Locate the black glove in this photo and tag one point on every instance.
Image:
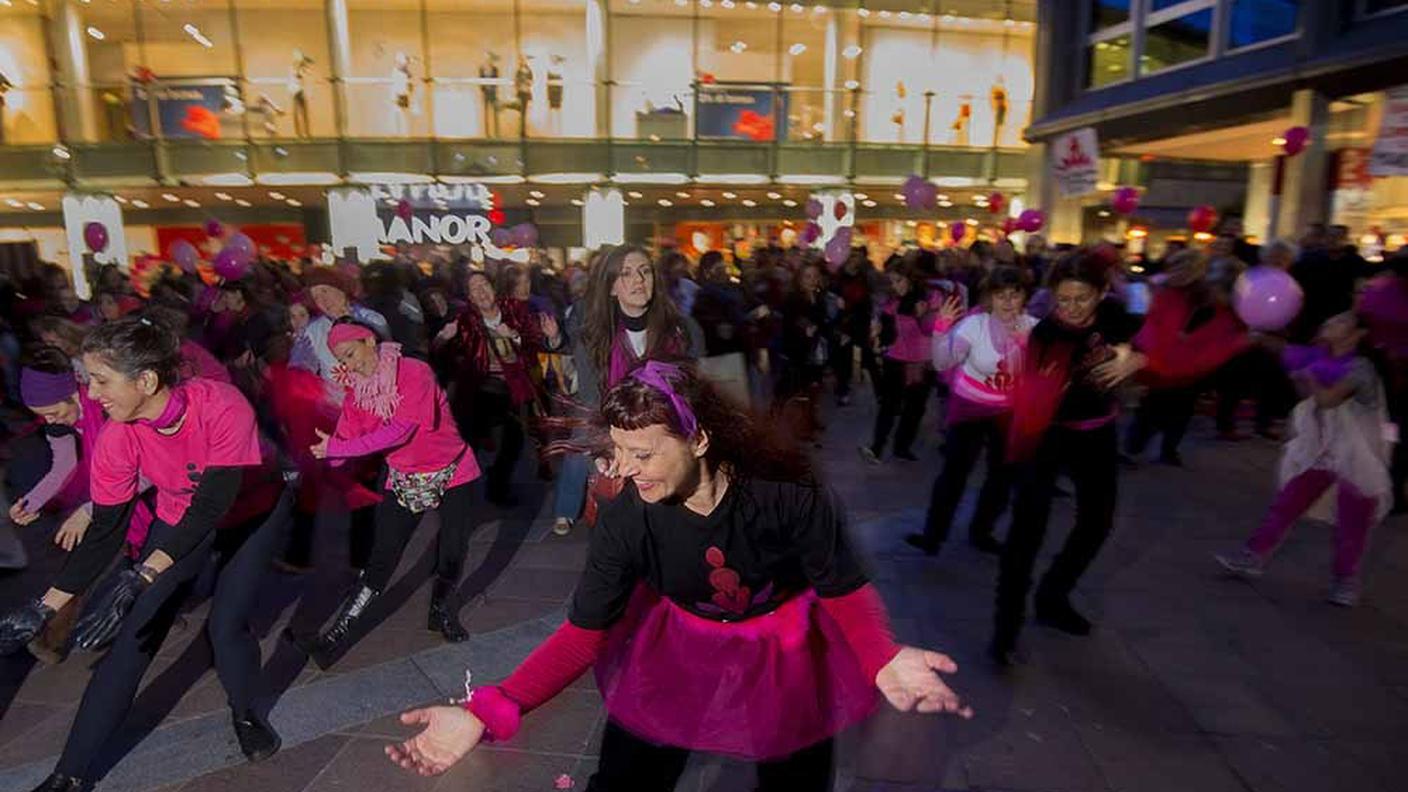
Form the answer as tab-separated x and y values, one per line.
105	612
19	626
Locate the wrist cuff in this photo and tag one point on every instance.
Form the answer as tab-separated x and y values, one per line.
499	714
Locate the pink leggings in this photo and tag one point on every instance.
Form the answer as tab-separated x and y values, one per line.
1354	518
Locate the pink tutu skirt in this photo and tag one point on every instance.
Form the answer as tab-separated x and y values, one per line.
758	689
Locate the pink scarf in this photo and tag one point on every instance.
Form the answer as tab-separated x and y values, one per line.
624	359
376	394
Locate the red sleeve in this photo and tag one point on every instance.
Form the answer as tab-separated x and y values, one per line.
862	619
554	665
113	471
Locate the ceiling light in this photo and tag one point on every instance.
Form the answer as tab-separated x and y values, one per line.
577	202
945	204
750	203
15	203
864	12
276	195
665	202
773	196
706	203
170	197
899	196
1278	141
681	194
38	207
727	4
192	203
62	152
752	6
789	203
140	204
861	196
635	194
119	199
851	85
730	195
200	38
1009	22
904	15
884	14
818	9
681	3
533	202
851	52
738	47
535	194
797	49
96	34
706	3
294	202
242	202
922	17
970	221
797	8
869	204
223	196
775	7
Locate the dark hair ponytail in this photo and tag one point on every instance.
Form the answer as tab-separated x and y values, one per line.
132	345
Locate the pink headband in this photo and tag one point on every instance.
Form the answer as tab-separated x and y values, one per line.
657	375
41	388
347	331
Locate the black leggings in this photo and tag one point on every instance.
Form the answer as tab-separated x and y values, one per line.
630	764
962	444
114	683
493	408
1165	412
899	400
1090	458
395	524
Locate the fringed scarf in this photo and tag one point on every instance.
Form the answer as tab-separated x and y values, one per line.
376	394
624	359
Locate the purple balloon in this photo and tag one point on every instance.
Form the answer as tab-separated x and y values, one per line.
813	208
96	235
501	237
213	228
525	235
837	250
242	245
185	255
1031	220
230	264
845	234
811	232
1266	298
919	193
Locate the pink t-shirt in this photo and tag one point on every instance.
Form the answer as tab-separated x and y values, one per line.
435	441
218	431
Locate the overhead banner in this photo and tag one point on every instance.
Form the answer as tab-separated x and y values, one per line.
1075	159
1390	154
741	112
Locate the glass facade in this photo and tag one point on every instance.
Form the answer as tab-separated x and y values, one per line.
1255	21
93	71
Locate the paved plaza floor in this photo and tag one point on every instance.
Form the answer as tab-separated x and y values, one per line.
1190	683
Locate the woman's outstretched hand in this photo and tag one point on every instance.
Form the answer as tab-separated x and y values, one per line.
449	734
911	682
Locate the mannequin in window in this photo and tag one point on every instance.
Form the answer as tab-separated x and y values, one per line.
489	93
523	88
555	91
960	122
897	118
5	86
298	92
999	109
402	86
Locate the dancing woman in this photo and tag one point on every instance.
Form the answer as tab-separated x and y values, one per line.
394	407
196	443
628	318
722	605
983	355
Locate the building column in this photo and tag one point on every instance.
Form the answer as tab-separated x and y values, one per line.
71	58
1259	211
1303	183
1065	218
831	75
340	53
598	65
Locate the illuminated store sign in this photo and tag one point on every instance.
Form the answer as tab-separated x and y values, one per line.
369	219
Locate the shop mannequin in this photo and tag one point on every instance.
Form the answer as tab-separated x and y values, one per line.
999	109
5	86
489	92
555	88
897	118
402	87
523	87
960	122
268	112
297	89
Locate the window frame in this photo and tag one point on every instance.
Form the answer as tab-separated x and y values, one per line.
1362	12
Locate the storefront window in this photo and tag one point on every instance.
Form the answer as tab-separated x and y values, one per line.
185	71
652	67
1107	62
810	40
26	101
385	88
557	68
473	49
287	64
900	75
1181	40
744	71
1255	21
107	103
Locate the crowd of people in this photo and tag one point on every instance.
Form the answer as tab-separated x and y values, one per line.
178	426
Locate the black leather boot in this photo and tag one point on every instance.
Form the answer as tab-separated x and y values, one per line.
323	648
257	738
62	783
444	615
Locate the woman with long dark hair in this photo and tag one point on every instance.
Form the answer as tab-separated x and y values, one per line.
723	607
1064	415
628	318
195	441
394	407
983	354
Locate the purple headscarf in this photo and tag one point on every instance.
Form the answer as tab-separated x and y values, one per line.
41	388
657	375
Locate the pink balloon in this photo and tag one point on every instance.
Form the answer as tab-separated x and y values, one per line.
837	250
213	228
230	264
1009	225
1296	139
403	210
811	232
957	231
524	235
813	208
184	255
501	237
1202	218
1126	200
1267	298
997	202
1031	220
96	236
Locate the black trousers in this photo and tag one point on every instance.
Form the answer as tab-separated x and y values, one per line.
630	764
900	401
494	409
395	524
1165	412
1089	458
843	361
1255	374
234	646
962	444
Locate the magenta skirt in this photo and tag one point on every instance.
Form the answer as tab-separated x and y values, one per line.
758	689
